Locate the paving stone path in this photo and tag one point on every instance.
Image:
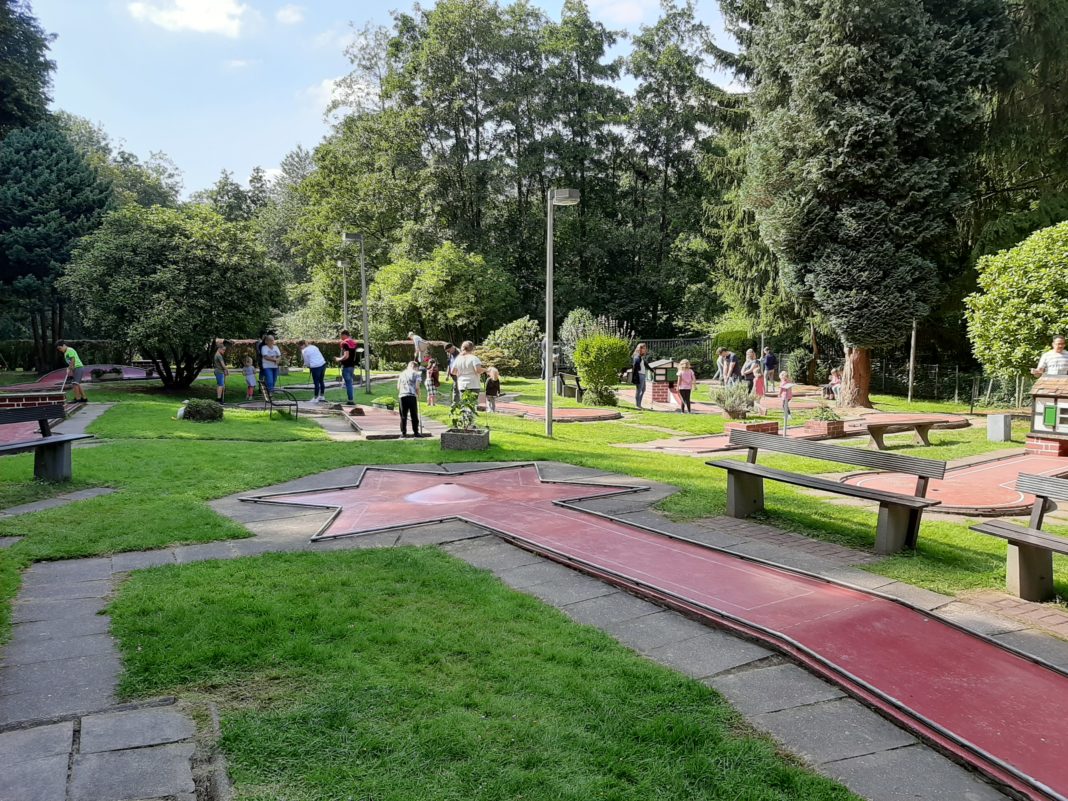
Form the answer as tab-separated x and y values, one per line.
63	737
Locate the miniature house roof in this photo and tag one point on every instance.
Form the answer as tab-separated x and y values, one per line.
1053	386
663	363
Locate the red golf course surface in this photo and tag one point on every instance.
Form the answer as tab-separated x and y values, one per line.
987	488
54	379
560	415
857	427
982	703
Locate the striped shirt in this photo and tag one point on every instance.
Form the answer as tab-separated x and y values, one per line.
1054	363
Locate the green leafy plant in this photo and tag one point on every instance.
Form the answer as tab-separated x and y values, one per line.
463	413
200	410
519	342
734	399
826	414
599	360
1021	301
496	357
796	364
385	403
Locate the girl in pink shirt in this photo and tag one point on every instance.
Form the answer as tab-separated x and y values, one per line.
686	381
758	388
786	394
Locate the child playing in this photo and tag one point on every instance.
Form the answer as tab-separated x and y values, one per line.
433	381
493	388
249	371
218	363
408	392
686	381
786	393
758	388
74	370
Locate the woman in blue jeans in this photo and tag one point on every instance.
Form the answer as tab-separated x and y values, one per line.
316	364
639	374
270	357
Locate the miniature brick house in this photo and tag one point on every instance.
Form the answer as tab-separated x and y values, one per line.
664	374
1049	417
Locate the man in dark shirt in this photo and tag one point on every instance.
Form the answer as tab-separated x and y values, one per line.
730	367
770	364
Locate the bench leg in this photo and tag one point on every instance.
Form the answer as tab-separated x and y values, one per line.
52	462
1029	572
877	438
921	435
892	535
745	494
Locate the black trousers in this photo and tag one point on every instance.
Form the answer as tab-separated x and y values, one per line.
409	405
685	395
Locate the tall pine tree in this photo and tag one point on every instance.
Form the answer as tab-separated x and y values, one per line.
866	120
49	198
25	69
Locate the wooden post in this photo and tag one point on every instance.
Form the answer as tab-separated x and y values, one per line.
912	359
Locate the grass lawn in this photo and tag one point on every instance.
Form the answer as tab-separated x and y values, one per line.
156	420
165	483
405	674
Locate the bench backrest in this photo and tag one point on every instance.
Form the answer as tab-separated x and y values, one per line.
30	414
1043	486
893	462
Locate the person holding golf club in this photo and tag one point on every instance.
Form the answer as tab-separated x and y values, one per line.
74	370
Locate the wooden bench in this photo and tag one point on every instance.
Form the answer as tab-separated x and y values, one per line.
899	515
145	364
878	431
569	386
278	399
51	457
1029	559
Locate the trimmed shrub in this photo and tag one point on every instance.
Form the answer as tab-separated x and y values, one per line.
736	341
796	364
520	343
203	411
703	364
599	361
495	357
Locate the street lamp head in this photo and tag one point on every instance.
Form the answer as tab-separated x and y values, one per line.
565	197
347	238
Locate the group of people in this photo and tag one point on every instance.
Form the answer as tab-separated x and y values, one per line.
464	368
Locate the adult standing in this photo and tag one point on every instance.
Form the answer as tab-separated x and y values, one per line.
421	348
467	368
316	363
730	367
748	368
770	364
270	359
408	392
1053	361
639	373
218	364
452	353
74	370
347	361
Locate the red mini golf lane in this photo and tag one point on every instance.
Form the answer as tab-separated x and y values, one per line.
982	488
999	711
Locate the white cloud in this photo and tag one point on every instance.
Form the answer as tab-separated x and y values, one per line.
224	17
240	63
290	15
273	174
625	13
321	94
337	39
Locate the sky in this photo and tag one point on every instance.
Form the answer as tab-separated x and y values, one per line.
230	84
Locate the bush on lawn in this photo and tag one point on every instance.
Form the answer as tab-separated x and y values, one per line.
520	342
599	360
495	357
203	411
735	399
796	364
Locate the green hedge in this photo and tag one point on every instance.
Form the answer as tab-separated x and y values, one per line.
18	353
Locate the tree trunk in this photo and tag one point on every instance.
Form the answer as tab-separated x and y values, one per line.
813	365
856	378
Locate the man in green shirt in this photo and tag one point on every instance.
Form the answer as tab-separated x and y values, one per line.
218	364
74	370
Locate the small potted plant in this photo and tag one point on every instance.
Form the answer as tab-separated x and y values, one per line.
735	400
825	422
465	433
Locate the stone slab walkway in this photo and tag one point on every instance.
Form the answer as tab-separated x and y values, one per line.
60	669
57	500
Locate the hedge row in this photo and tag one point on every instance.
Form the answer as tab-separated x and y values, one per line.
19	354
